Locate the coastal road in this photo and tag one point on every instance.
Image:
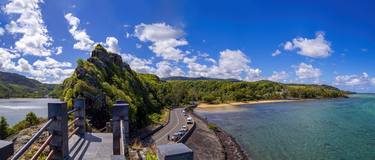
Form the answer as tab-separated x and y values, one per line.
176	121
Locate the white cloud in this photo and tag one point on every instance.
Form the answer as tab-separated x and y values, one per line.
51	63
316	48
307	71
59	50
276	52
84	42
35	39
355	80
23	65
288	46
165	39
278	76
6	57
232	64
2	31
166	69
51	70
112	45
138	64
137	45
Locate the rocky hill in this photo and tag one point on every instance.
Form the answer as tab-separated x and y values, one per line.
104	78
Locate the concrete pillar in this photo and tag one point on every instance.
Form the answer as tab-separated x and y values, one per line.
6	149
116	135
79	104
120	112
59	129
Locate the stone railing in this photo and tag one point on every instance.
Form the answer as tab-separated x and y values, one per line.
120	129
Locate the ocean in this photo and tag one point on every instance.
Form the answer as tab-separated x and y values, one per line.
330	129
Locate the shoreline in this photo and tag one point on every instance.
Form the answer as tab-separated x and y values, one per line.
237	104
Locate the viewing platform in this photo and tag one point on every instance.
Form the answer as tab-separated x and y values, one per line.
68	140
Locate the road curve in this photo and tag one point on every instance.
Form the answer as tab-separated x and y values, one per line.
176	121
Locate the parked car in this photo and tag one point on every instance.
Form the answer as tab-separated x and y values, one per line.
180	133
189	120
184	128
175	137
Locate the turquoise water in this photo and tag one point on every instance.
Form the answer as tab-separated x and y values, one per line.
342	129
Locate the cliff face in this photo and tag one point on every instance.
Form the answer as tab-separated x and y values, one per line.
104	78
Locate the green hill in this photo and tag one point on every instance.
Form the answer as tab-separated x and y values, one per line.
13	85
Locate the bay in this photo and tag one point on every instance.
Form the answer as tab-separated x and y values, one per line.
318	129
15	109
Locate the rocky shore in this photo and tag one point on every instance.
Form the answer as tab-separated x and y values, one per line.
227	148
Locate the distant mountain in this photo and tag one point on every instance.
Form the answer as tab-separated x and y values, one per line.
196	78
13	85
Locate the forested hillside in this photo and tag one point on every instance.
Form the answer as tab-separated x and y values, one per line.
15	85
219	91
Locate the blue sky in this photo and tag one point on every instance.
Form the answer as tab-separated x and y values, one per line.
323	42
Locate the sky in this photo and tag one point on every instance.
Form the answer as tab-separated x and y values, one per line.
318	42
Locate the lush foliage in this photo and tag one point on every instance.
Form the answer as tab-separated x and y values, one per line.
4	128
219	91
14	85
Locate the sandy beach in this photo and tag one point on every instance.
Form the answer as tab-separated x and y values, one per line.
237	104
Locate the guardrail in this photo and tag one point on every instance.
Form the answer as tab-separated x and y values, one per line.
58	128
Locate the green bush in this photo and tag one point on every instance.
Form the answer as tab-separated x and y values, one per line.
4	128
212	127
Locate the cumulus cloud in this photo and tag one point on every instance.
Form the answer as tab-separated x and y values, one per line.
84	42
231	64
165	39
59	50
138	64
23	65
276	52
29	23
355	80
51	70
6	57
279	76
112	45
307	71
318	47
166	69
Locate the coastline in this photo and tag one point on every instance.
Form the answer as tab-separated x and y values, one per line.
236	104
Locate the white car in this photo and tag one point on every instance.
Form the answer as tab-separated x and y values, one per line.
189	120
184	128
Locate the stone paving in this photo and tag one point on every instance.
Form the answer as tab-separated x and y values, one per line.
93	146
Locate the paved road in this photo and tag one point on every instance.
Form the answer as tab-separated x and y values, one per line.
176	121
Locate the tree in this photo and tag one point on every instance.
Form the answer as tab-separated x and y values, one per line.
31	119
4	130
